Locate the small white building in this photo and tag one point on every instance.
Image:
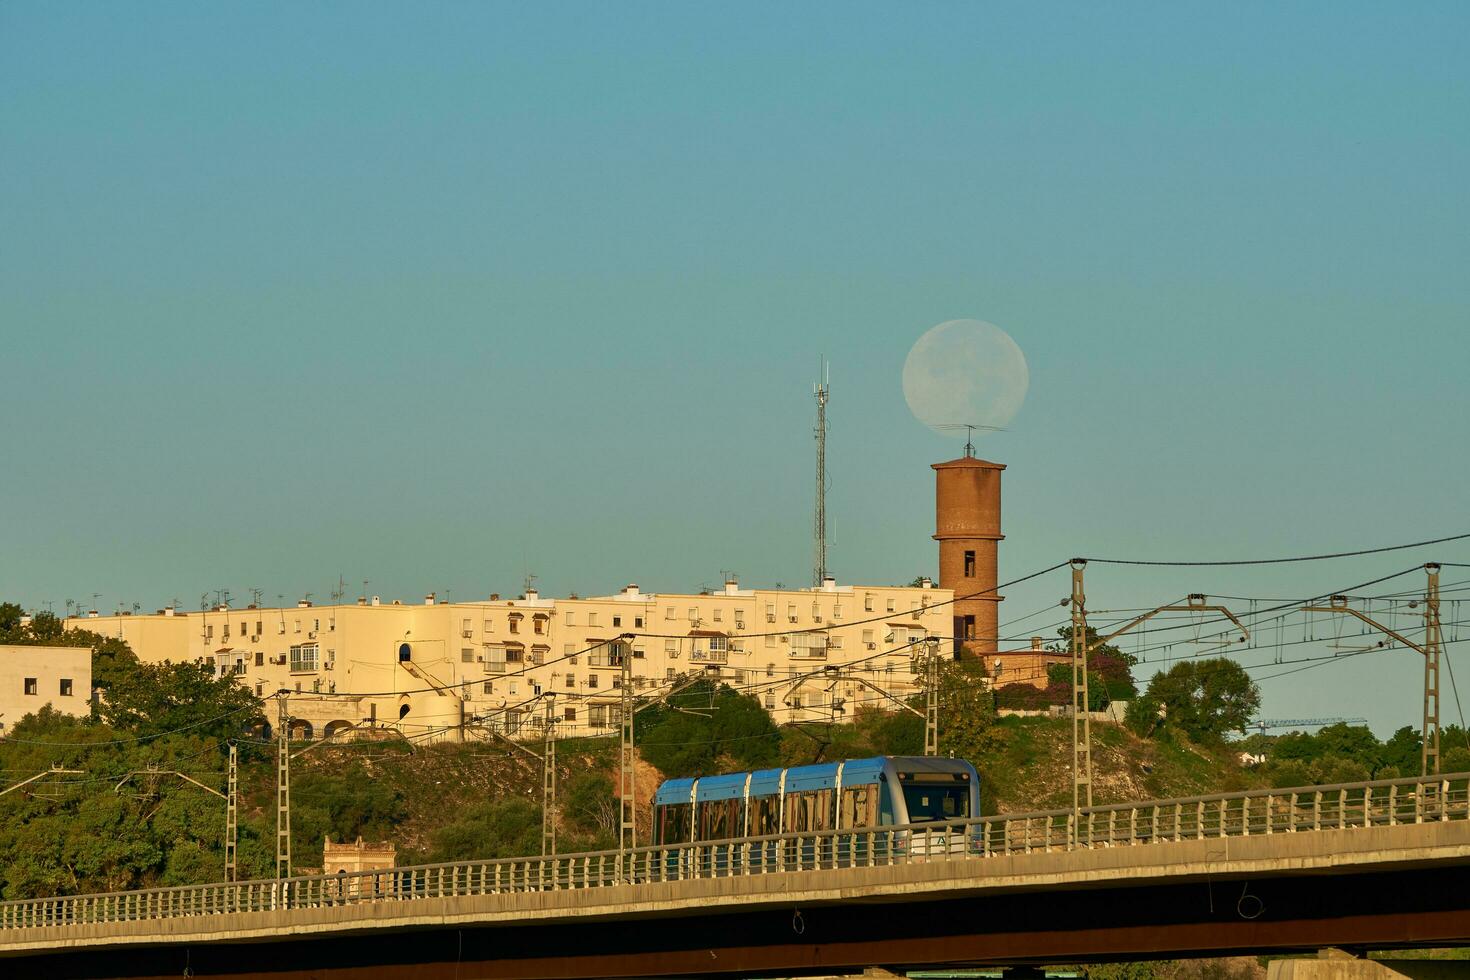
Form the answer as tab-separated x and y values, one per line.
32	677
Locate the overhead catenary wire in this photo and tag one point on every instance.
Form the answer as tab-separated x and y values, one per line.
1281	561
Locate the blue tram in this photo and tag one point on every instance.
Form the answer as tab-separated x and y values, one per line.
858	793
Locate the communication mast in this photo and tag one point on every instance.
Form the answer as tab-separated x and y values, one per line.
819	522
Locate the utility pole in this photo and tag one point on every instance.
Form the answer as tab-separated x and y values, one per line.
1081	720
283	792
1429	650
819	522
1081	723
931	699
548	783
627	781
232	827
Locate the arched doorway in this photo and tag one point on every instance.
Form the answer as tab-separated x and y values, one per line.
301	730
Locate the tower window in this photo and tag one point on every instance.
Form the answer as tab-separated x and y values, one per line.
969	564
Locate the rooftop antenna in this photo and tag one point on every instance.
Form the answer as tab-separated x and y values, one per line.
528	581
341	589
969	428
819	522
255	595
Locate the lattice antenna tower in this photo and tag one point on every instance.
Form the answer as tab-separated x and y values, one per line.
822	390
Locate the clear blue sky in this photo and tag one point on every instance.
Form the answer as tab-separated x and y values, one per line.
439	294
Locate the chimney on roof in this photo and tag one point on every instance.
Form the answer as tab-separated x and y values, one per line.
300	604
1036	644
732	586
829	584
429	599
377	600
630	589
91	614
532	595
926	582
167	610
495	597
362	600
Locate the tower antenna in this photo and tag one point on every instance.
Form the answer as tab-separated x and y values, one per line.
819	522
969	428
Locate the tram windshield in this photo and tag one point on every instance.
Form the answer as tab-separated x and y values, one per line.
937	802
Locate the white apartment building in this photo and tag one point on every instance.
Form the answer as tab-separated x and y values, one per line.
436	670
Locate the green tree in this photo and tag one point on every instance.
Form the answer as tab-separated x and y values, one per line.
688	735
1109	669
147	699
1203	699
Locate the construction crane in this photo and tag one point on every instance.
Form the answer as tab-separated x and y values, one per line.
1262	724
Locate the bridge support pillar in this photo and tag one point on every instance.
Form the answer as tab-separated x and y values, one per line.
1335	964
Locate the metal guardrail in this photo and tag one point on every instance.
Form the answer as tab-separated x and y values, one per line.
1383	803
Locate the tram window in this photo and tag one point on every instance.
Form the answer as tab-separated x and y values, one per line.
822	810
717	819
674	823
937	802
859	806
765	816
798	812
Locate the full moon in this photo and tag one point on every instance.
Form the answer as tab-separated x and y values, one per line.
965	372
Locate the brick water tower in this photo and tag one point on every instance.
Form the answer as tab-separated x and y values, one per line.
967	527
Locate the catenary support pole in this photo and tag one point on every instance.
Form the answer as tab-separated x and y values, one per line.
232	831
548	783
283	791
1081	724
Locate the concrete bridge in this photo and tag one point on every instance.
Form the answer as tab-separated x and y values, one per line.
1358	866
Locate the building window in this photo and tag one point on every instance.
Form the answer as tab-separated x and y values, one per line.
259	658
791	612
770	612
890	605
693	614
637	622
969	564
66	687
592	619
770	702
669	613
837	611
515	655
515	622
637	653
494	660
259	688
208	633
316	625
488	687
304	656
571	618
538	624
770	639
489	626
569	714
572	681
467	655
591	680
718	613
298	626
770	670
867	602
671	647
30	685
668	673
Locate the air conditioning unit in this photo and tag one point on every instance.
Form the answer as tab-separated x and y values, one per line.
872	646
791	618
770	617
327	665
739	624
467	634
